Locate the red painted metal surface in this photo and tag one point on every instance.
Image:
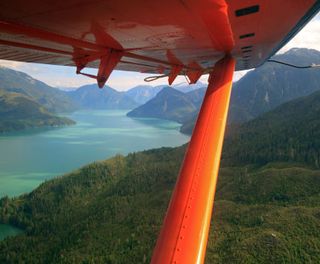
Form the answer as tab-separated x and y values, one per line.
184	234
107	64
193	31
175	71
195	73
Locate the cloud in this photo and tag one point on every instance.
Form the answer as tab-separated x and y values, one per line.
308	37
16	65
56	76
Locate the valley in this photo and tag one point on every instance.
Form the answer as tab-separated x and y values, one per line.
267	204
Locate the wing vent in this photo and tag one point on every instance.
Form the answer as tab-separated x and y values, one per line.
247	48
249	35
247	11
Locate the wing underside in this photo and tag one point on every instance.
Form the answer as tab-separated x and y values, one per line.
170	36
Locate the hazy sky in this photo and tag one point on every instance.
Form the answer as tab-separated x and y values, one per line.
61	76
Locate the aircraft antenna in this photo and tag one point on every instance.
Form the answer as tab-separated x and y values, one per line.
295	66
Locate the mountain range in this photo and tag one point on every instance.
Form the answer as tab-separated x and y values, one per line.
185	88
143	93
26	96
260	90
272	84
170	104
27	103
91	97
54	100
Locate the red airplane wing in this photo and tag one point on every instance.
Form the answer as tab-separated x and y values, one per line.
177	36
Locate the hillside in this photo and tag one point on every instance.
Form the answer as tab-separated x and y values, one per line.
168	104
91	97
143	93
196	96
19	112
291	132
189	124
51	98
271	85
111	212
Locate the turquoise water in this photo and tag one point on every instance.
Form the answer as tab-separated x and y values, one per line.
29	158
7	230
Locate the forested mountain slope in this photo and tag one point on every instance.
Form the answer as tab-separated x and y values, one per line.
266	211
18	112
271	85
111	212
291	132
168	104
54	100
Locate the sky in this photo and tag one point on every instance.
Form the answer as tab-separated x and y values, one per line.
65	77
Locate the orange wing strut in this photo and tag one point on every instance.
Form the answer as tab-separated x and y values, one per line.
184	234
